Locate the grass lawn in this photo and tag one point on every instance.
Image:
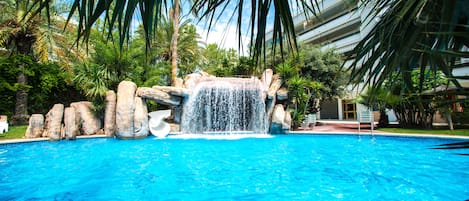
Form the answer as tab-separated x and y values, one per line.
437	131
14	132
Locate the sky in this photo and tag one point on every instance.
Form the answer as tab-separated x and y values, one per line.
222	32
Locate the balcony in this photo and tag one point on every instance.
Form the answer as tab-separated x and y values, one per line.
342	25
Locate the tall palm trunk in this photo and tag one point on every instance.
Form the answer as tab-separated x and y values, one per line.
174	42
24	44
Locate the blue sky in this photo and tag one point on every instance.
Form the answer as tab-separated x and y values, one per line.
222	32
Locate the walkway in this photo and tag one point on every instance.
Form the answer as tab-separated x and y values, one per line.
337	126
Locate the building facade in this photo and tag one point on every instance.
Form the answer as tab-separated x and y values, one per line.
342	24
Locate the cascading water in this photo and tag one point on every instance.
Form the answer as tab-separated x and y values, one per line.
226	106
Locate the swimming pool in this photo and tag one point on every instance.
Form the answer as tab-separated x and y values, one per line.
301	167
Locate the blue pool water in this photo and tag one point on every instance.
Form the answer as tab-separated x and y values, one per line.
293	167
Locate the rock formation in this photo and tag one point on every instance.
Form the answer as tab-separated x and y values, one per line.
282	94
126	114
70	124
36	126
266	78
125	109
278	120
89	121
53	123
274	87
159	96
141	128
110	114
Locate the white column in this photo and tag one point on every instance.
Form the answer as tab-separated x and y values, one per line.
340	110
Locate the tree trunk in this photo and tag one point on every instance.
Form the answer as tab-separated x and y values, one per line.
21	106
449	119
174	42
24	44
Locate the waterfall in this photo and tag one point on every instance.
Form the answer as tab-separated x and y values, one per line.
225	106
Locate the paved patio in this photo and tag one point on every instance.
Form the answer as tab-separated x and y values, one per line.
337	126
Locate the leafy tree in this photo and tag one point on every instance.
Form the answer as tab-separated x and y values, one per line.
414	108
379	98
150	12
428	35
19	31
27	30
94	80
311	76
245	66
47	84
160	50
220	62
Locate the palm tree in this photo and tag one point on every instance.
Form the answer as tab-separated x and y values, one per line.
120	13
430	34
19	31
174	41
161	48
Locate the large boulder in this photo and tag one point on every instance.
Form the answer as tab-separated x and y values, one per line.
110	114
53	123
35	127
274	87
177	114
179	83
287	121
89	121
125	109
159	96
282	94
141	128
71	123
266	78
176	91
191	80
269	108
278	117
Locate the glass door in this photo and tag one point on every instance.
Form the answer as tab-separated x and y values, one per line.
349	110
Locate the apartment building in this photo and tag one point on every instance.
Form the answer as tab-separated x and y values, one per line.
341	24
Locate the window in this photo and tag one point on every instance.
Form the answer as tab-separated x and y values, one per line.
349	110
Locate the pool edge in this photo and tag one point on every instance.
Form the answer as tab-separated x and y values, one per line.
14	141
27	140
381	134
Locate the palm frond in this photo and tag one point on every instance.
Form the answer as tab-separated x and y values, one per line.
409	34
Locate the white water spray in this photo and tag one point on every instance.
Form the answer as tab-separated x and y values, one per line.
226	106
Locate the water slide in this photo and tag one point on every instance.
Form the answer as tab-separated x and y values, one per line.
158	127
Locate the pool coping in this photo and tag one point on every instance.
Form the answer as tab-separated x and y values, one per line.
26	140
23	140
382	134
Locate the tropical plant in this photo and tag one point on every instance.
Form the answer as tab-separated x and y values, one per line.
26	28
428	35
175	14
120	14
392	94
311	76
160	49
94	80
218	61
379	98
47	84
